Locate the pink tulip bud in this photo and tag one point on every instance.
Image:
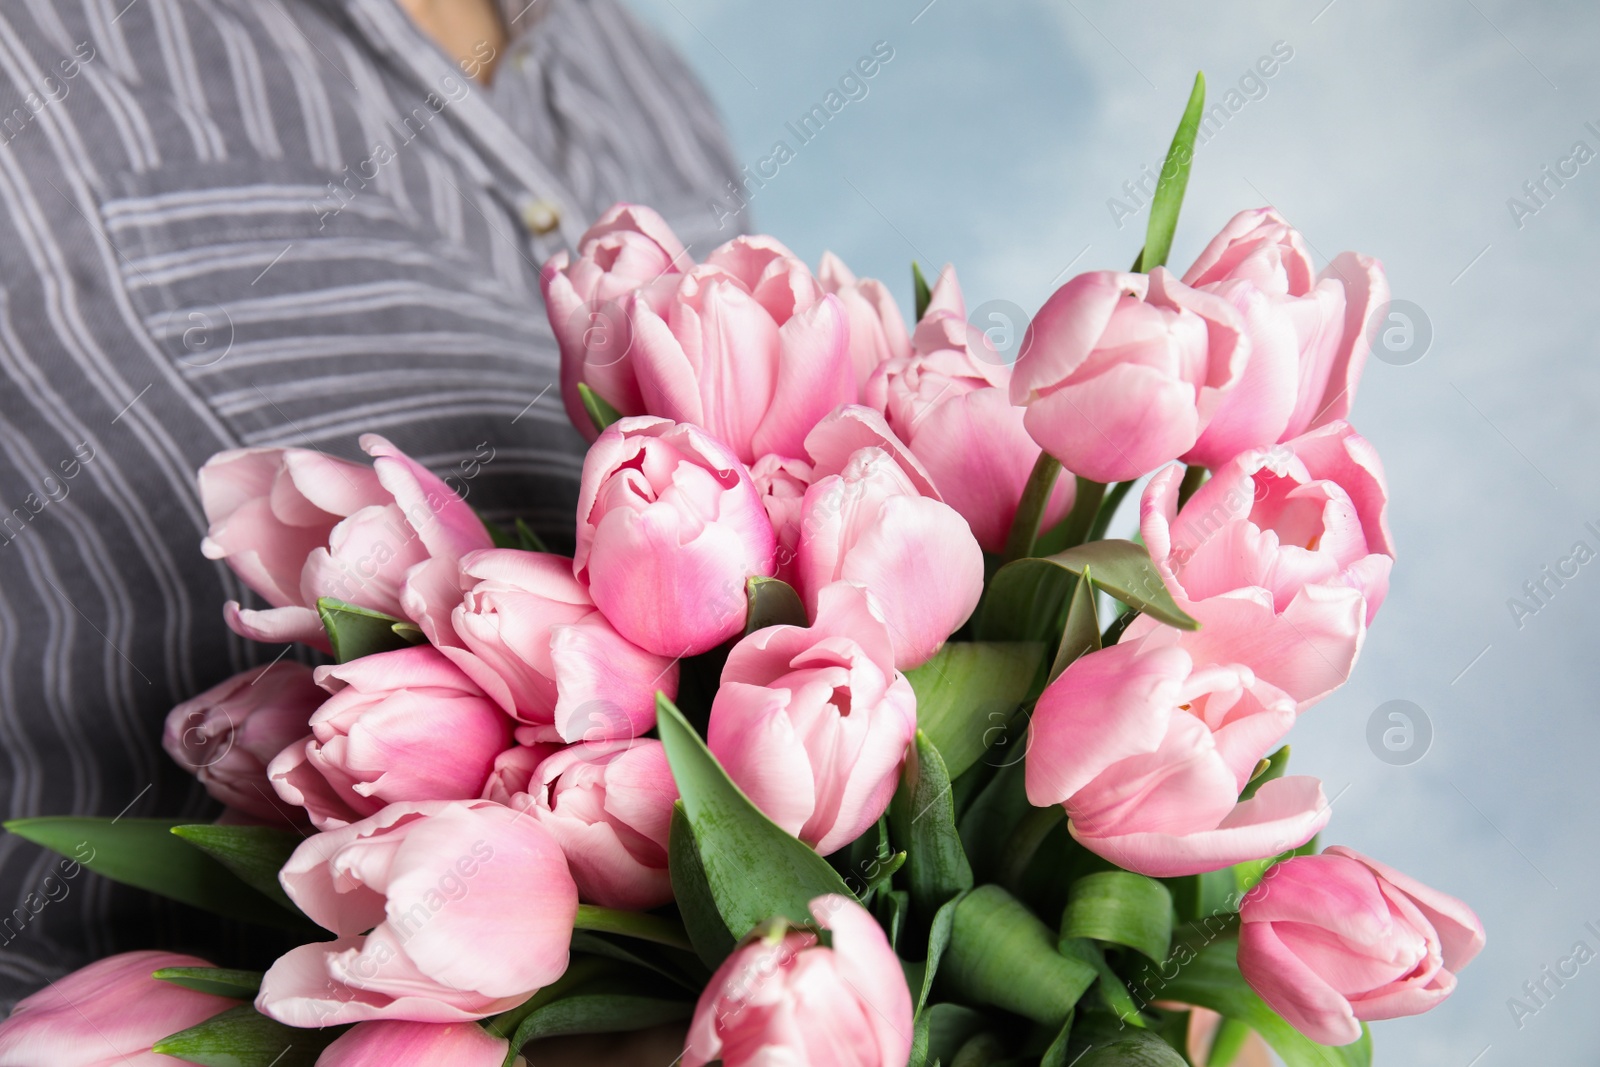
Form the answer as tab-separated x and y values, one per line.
524	629
877	331
749	347
1283	556
813	723
630	254
670	527
787	999
869	524
782	484
1148	749
444	911
227	735
1120	373
1308	332
400	726
949	400
1333	939
386	1043
609	805
297	526
108	1014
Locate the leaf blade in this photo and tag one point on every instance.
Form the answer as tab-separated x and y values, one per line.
754	869
1172	183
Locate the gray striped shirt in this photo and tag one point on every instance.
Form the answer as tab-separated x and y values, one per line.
265	222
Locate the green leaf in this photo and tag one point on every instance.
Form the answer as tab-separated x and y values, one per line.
356	631
1212	980
243	1037
986	827
527	540
1107	1046
773	602
1056	1054
601	413
1082	633
680	968
1173	181
710	935
1000	954
1123	908
1268	769
922	293
754	869
938	940
1121	569
143	853
1113	993
969	694
410	633
636	924
1031	508
255	854
949	1026
981	1051
600	1012
922	819
219	981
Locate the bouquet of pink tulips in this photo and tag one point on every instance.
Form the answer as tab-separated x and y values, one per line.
847	735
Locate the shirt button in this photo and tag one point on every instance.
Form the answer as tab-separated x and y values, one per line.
540	216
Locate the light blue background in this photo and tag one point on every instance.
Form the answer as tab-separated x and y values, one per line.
995	137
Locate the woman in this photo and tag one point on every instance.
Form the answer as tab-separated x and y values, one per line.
229	223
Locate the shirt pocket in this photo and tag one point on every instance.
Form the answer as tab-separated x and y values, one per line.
303	307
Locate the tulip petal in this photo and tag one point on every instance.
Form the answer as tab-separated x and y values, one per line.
1292	989
1284	814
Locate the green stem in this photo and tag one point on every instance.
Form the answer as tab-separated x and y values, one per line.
1193	478
635	924
1025	841
1108	510
1072	530
1030	509
1227	1043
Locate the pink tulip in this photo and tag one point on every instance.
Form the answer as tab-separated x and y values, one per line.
1332	939
1120	373
609	805
107	1014
870	524
524	629
227	735
670	527
749	348
813	723
444	911
629	255
789	1000
1308	332
949	400
1283	555
1148	749
877	332
782	484
296	526
400	726
389	1043
834	441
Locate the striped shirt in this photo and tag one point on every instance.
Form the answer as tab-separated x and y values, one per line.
265	222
